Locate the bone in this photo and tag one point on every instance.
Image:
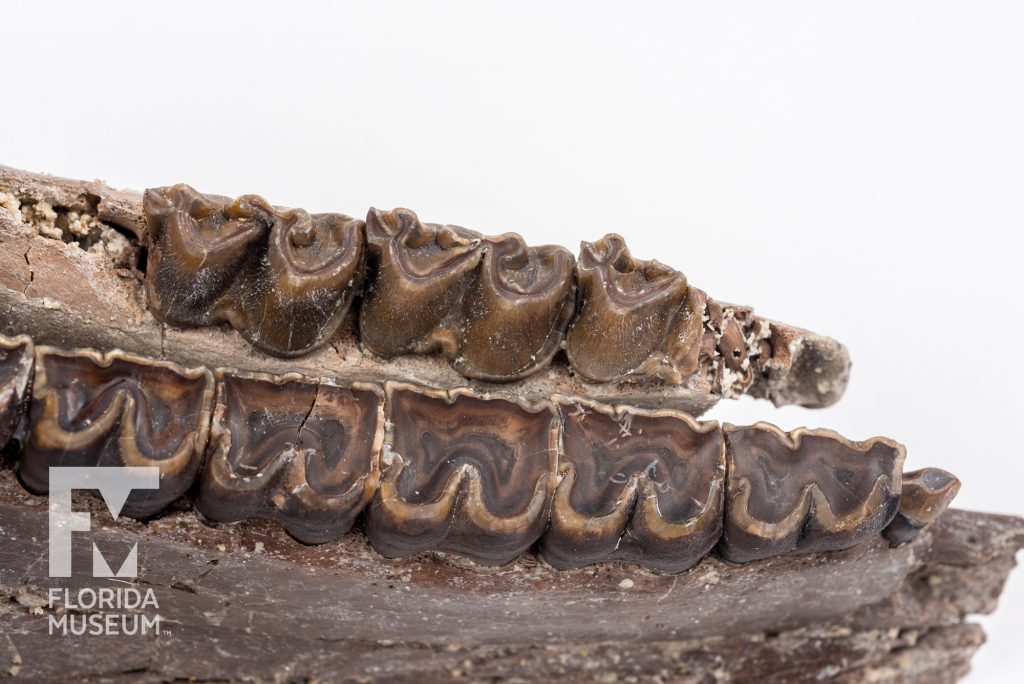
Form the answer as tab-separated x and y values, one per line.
466	466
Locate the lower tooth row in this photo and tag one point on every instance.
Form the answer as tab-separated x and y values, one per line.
486	476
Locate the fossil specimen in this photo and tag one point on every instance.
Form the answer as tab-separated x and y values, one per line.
302	452
808	490
496	309
468	473
926	493
440	390
116	409
636	485
636	317
485	463
283	278
464	473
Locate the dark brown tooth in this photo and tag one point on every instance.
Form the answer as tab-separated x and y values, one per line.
642	486
299	451
926	494
116	409
282	277
197	248
636	318
463	473
493	306
517	311
416	274
804	491
16	359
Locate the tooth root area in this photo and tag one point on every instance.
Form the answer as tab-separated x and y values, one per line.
483	475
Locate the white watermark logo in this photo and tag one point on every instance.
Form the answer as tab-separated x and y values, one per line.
114	605
114	485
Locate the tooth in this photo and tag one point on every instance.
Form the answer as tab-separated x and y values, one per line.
299	451
117	409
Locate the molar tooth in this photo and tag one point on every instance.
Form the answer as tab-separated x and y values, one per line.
805	491
654	497
636	318
494	307
475	477
517	310
300	451
117	409
282	277
416	277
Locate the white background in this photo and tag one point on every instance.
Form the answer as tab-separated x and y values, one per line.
856	169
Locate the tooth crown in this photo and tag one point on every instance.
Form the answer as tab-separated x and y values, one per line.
117	409
496	309
299	451
482	475
493	306
463	473
636	318
643	486
806	490
282	277
926	494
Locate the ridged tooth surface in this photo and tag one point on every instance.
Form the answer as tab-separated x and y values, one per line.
303	452
494	307
116	409
517	310
636	318
282	277
482	475
806	490
463	474
641	486
926	494
416	277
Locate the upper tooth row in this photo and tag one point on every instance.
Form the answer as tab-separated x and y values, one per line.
497	309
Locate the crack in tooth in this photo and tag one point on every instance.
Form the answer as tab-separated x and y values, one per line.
480	475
